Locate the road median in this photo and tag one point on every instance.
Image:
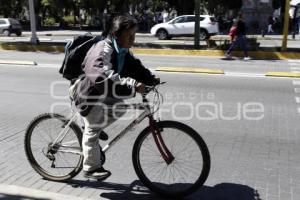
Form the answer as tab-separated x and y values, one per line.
141	48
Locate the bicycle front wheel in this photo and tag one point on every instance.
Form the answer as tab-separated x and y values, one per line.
188	169
54	158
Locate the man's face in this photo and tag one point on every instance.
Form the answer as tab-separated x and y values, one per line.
126	38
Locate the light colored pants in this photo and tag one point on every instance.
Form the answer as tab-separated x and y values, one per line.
98	118
270	29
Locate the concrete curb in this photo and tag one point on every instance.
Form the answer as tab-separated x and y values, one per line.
148	51
17	192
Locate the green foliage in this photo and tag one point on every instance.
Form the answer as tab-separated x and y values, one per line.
12	8
60	10
69	19
49	21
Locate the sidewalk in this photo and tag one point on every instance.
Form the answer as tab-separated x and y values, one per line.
70	33
73	33
13	192
269	48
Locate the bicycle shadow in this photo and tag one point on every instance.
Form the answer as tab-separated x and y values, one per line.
136	191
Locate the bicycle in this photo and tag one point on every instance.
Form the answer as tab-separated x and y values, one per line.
169	157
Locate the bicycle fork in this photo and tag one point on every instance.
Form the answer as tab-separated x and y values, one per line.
163	149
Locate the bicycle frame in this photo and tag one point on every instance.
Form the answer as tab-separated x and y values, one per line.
167	156
139	119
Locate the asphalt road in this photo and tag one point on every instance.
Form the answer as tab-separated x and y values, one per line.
235	67
249	122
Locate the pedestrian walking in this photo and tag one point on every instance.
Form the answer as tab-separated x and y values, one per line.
240	38
165	16
298	23
270	25
232	32
173	13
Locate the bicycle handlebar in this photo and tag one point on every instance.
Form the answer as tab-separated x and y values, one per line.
151	88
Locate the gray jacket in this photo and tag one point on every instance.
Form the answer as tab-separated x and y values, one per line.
102	80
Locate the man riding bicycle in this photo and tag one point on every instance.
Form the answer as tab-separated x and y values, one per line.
111	73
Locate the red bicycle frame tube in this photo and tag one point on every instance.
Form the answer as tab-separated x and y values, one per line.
163	149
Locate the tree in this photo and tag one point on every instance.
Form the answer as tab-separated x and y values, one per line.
278	3
221	6
11	8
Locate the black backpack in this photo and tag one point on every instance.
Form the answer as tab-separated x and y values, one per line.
75	52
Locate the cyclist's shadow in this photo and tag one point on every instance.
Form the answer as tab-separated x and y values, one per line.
136	191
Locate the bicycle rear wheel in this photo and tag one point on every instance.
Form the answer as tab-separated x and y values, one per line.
57	162
185	173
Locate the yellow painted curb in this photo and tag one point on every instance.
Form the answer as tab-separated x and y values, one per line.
147	51
190	70
17	62
284	74
220	53
178	52
29	47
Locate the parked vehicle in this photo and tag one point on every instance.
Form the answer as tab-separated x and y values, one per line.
185	26
9	26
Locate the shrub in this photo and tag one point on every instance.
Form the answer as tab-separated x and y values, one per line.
49	21
68	19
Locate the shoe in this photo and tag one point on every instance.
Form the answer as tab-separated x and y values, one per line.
247	58
100	174
103	136
227	55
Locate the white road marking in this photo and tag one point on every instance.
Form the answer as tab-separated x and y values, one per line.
296	82
297	90
295	68
45	39
293	61
49	65
297	99
251	75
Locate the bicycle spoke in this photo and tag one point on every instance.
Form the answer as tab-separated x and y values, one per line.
183	172
49	159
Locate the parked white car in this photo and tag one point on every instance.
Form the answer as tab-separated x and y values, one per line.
185	26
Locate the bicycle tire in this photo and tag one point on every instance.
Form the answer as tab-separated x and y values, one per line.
184	189
32	128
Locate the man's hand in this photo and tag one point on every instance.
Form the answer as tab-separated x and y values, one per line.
157	80
140	88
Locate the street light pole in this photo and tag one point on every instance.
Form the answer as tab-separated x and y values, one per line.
34	39
286	25
197	24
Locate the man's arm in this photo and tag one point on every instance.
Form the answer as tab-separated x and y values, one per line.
136	70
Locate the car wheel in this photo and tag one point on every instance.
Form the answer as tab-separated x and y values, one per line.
203	34
162	34
18	33
6	33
